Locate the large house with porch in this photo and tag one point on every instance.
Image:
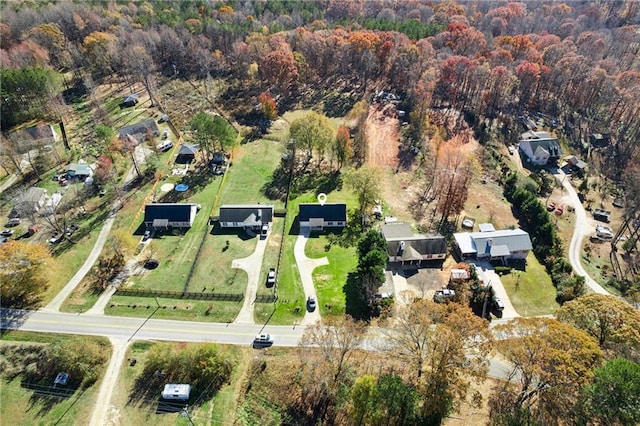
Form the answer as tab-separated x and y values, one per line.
247	216
408	249
502	245
318	216
169	215
540	148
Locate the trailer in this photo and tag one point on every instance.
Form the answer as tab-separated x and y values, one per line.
602	215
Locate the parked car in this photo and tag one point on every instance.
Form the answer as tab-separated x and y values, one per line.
56	238
551	207
443	295
165	134
311	304
147	235
512	149
7	232
61	379
264	231
14	222
262	340
271	277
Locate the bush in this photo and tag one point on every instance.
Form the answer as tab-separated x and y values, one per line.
502	270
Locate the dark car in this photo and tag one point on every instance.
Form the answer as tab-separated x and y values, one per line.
311	304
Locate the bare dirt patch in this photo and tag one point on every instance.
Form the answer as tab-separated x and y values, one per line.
382	130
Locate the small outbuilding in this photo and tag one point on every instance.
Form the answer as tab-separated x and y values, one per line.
187	153
178	392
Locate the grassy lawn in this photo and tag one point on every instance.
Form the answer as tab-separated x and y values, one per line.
330	279
218	410
38	403
289	286
253	166
174	309
531	292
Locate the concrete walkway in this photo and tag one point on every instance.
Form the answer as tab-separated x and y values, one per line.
403	296
57	301
306	267
488	275
251	265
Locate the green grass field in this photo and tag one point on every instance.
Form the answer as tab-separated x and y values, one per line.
39	403
175	309
218	410
531	292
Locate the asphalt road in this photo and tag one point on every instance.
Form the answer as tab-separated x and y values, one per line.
145	329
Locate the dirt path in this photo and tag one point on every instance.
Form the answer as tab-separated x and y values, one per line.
103	413
383	134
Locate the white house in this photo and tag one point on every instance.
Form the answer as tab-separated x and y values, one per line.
501	245
540	148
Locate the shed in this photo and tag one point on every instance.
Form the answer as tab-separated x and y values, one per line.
459	275
179	392
486	227
187	153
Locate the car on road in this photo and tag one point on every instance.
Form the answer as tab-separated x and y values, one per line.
7	232
263	340
311	304
271	277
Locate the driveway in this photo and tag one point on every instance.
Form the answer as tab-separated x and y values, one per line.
251	265
488	275
582	228
306	267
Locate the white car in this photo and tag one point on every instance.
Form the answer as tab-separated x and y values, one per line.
271	277
263	340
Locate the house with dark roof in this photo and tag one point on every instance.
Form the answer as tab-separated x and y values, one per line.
33	137
408	249
246	216
540	148
317	216
139	132
500	245
129	100
169	215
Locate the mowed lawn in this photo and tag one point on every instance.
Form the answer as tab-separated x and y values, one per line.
329	280
531	292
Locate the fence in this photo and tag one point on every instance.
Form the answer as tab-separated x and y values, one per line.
179	294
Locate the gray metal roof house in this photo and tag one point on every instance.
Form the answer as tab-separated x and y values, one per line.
247	216
139	131
316	216
540	148
502	245
165	215
406	248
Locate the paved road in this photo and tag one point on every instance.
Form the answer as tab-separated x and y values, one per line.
582	229
146	329
12	179
251	265
306	267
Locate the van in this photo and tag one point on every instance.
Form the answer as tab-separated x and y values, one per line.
14	221
164	146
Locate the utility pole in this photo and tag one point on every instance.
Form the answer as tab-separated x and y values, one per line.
185	413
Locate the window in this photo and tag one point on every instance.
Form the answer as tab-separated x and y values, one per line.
330	223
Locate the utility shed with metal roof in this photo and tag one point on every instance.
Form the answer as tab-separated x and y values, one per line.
165	215
178	392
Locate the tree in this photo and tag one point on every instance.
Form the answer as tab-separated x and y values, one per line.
112	259
342	146
385	400
268	106
327	349
212	133
23	273
613	322
313	132
551	362
444	347
279	68
365	183
613	398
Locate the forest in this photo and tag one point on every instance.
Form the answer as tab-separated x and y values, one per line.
478	66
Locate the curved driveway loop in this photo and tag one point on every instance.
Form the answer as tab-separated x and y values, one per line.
306	267
251	265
